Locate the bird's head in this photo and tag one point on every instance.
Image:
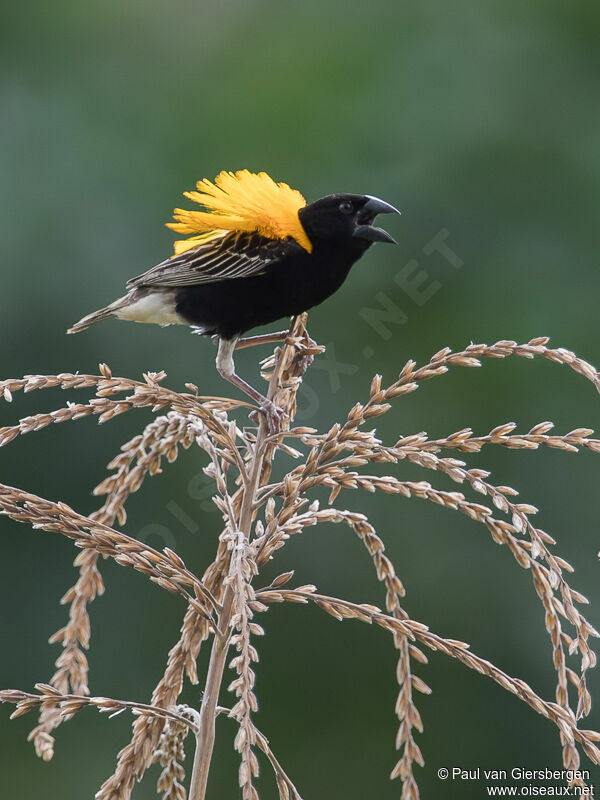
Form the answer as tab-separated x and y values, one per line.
249	202
345	217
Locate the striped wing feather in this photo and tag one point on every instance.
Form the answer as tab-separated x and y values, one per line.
233	255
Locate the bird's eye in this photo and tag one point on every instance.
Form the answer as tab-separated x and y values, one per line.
346	207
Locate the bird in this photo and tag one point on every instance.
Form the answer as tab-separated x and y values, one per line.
256	253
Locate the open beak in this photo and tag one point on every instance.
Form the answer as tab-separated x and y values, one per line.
364	228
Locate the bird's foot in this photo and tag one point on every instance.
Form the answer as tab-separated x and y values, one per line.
273	415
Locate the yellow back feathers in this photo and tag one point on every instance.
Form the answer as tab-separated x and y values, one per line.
241	201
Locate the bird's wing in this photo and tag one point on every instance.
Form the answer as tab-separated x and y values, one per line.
233	255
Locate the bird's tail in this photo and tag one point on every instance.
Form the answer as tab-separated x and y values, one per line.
98	316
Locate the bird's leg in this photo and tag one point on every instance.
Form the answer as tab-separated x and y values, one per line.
265	338
226	369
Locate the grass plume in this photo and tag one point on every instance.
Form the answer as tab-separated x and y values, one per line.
222	605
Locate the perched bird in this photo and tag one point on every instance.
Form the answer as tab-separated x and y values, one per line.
258	252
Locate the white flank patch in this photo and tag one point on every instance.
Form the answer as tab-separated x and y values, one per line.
158	309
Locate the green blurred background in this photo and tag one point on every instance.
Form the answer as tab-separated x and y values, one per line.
476	119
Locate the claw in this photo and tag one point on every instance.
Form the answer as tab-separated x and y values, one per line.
274	416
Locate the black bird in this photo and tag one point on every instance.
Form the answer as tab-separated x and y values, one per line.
260	253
